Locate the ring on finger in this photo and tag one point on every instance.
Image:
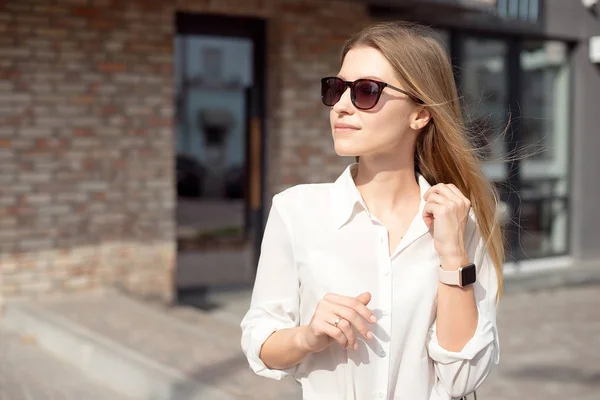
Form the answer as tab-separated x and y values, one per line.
337	321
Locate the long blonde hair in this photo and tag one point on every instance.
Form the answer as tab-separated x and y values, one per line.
443	151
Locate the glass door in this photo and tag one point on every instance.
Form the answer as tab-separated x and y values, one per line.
484	87
219	150
516	98
545	136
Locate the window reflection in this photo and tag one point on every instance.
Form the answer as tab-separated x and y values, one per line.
545	129
484	87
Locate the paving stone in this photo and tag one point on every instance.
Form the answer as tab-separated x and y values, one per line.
549	342
550	346
204	348
29	373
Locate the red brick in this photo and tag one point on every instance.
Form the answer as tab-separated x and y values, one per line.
82	132
89	12
41	143
160	122
113	56
111	67
103	24
83	99
52	33
9	74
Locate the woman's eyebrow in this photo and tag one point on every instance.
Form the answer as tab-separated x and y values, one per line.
376	78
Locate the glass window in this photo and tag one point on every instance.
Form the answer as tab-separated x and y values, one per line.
484	87
213	77
545	130
525	10
443	37
543	97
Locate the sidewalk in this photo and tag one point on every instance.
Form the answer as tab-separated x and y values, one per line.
549	334
233	302
29	373
584	274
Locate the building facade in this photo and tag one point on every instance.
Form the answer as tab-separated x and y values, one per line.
141	141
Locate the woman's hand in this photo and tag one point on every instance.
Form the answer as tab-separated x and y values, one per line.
448	210
353	313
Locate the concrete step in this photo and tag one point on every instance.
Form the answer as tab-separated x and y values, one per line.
28	372
145	351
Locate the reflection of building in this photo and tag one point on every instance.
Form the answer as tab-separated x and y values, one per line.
87	147
515	73
216	125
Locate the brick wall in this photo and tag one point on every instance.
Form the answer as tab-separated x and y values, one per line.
86	131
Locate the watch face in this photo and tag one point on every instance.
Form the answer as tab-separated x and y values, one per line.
468	275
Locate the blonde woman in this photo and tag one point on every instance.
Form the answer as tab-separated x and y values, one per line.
384	284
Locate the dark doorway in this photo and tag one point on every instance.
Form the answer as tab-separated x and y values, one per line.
219	78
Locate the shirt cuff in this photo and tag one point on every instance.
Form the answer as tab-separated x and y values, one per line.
252	341
485	334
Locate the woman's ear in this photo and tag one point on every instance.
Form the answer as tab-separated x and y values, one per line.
421	118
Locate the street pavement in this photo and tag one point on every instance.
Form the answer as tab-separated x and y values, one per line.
549	339
550	346
29	373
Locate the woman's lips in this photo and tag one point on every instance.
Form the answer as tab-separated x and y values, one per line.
344	128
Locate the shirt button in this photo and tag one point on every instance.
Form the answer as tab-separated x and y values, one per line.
382	353
386	272
380	395
384	312
380	240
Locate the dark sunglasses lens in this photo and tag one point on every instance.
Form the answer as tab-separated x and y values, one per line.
331	90
366	94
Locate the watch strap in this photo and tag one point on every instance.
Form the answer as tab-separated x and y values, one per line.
463	276
449	277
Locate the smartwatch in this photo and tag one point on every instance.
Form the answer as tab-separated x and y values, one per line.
462	277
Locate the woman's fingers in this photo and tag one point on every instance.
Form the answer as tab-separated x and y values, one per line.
354	304
449	192
346	328
352	318
460	194
436	198
433	209
334	333
350	313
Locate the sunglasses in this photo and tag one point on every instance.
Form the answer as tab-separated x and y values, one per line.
364	93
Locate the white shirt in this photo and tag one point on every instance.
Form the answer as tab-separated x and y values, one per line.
321	238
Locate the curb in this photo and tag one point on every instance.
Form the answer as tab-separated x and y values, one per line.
570	276
103	360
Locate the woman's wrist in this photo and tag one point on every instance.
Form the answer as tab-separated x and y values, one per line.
300	339
455	260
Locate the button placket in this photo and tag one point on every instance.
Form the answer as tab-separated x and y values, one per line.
385	297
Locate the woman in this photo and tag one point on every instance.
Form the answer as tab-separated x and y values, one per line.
366	287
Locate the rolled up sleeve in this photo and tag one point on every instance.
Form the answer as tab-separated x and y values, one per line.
275	297
461	373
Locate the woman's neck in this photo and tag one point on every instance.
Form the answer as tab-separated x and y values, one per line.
387	187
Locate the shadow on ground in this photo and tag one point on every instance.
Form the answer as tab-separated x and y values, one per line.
557	373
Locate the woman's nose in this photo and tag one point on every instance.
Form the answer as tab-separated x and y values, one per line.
344	105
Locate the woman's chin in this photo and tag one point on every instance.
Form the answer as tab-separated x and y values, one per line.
345	148
344	152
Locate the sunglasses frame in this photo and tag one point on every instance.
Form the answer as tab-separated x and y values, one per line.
352	84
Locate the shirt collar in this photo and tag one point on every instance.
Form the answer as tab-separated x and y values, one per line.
347	201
